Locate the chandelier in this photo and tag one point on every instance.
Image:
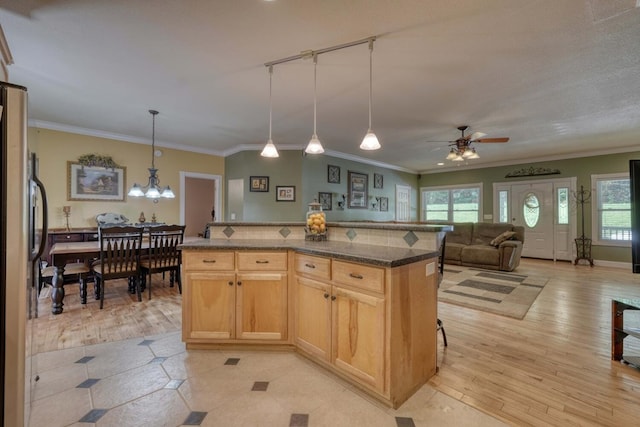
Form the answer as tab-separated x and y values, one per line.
152	190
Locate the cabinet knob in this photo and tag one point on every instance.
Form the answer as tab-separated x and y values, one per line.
230	283
333	297
239	283
326	295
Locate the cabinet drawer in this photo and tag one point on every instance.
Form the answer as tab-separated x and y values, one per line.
262	261
67	237
208	261
313	266
358	275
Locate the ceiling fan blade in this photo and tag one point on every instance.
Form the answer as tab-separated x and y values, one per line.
492	140
477	135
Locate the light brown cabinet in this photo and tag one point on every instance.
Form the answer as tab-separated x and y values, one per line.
336	322
235	296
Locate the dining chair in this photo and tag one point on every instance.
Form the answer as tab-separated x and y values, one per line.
79	270
439	324
164	255
119	257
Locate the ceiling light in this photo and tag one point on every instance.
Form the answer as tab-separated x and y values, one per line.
452	154
474	155
467	153
370	141
270	149
314	146
458	158
153	190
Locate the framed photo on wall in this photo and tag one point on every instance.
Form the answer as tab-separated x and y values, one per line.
378	180
358	190
285	193
95	183
259	184
384	204
326	200
333	174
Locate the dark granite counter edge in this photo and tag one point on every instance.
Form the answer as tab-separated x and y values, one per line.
366	254
373	225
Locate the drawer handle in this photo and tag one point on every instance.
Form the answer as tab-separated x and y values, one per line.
262	261
326	295
67	237
310	265
356	276
209	261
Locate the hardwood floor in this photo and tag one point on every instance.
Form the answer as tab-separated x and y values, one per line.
553	367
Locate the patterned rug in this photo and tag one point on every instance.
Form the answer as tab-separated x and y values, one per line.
499	292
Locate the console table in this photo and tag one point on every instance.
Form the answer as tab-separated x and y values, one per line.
619	331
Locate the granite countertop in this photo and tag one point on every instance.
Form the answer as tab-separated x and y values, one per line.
384	256
410	226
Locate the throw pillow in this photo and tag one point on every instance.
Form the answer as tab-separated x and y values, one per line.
507	235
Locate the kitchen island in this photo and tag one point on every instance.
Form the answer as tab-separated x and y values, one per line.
365	312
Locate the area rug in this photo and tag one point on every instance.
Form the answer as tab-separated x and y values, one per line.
499	292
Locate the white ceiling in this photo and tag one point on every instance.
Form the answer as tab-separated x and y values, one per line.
559	77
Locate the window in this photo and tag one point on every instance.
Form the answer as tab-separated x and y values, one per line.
611	209
531	210
452	203
563	205
503	206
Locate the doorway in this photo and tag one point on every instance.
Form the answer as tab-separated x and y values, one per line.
544	209
403	203
201	201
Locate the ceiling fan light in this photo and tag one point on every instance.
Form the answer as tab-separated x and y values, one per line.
474	154
452	154
458	158
270	150
314	146
370	141
467	153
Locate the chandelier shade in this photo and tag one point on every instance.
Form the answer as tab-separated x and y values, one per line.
152	190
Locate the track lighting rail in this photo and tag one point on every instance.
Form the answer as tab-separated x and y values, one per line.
311	53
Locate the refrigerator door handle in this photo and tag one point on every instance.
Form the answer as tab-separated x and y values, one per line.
45	220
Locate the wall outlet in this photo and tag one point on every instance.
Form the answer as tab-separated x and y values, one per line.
431	268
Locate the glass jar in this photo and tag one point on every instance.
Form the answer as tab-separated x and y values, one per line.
316	220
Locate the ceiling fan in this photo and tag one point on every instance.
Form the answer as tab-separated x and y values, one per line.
461	148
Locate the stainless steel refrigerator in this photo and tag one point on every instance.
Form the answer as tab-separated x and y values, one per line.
24	228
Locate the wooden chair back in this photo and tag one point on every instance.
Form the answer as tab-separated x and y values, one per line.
163	246
119	252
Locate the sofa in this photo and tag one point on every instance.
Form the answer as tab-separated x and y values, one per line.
484	245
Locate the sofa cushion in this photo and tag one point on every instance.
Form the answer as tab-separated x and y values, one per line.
453	251
485	232
461	233
507	235
480	254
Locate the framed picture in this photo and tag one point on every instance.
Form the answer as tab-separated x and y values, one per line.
259	184
326	200
333	174
285	193
95	183
384	204
358	190
377	180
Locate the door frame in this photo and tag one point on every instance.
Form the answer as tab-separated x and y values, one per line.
217	197
571	228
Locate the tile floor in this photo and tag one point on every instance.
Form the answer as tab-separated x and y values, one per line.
155	381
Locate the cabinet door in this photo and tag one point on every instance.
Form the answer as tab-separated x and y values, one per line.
359	336
208	305
261	306
313	317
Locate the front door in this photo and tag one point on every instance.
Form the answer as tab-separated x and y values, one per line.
532	208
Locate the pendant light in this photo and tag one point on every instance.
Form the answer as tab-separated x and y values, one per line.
153	190
314	146
270	149
370	141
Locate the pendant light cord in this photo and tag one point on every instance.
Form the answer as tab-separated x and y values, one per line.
153	138
315	66
370	78
270	102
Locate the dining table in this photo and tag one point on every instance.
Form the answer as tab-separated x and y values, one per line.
64	252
